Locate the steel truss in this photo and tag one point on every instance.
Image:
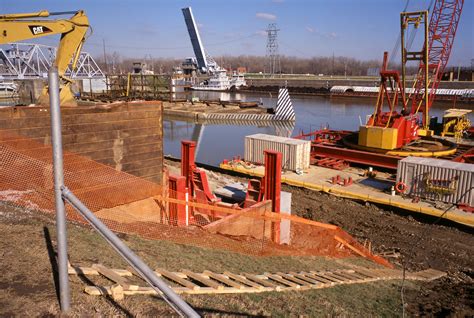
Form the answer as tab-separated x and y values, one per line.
31	61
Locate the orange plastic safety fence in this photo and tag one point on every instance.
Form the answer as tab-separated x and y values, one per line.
132	205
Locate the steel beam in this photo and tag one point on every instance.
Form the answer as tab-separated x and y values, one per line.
356	156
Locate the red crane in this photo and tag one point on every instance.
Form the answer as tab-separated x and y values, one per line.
403	126
442	30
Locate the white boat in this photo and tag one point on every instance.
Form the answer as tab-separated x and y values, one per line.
219	81
237	80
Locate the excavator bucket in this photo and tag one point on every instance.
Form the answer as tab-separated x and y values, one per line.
66	97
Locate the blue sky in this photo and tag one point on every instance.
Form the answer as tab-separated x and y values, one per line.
355	28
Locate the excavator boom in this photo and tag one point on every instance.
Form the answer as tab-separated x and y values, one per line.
19	27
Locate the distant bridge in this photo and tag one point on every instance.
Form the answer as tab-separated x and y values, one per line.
32	61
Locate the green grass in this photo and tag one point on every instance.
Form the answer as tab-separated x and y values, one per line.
28	286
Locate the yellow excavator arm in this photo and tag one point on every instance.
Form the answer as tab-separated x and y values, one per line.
24	26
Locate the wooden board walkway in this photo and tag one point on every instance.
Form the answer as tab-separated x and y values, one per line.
124	282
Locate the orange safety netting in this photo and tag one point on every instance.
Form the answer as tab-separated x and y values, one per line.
129	204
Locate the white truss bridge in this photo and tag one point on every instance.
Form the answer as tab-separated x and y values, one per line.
31	61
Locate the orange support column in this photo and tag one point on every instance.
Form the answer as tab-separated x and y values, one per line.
273	186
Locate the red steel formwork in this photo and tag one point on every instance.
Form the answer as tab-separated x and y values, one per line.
187	164
273	186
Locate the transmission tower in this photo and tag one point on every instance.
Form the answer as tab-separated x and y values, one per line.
273	58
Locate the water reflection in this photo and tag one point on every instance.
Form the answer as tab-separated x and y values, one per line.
218	141
214	142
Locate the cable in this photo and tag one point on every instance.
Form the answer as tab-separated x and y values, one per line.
294	49
402	289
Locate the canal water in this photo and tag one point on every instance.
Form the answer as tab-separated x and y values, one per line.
218	142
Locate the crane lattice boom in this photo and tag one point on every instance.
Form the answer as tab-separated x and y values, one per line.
442	30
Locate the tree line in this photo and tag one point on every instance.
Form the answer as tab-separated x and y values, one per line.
327	65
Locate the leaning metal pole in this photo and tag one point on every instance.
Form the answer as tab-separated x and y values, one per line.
176	302
56	140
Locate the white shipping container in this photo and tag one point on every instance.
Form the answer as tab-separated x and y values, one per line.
437	179
295	152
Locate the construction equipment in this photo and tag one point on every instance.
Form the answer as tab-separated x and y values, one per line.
24	26
206	64
394	130
456	123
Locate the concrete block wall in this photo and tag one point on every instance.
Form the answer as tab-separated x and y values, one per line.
127	136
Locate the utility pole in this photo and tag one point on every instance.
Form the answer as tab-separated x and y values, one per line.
333	63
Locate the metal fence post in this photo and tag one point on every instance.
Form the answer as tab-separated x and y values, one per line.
175	301
56	140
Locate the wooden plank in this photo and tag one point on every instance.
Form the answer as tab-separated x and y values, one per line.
117	292
328	275
385	273
311	281
346	275
224	280
176	278
367	273
427	275
110	274
321	275
356	276
244	280
294	279
281	280
210	290
263	282
340	277
202	279
229	283
81	270
318	278
76	270
106	290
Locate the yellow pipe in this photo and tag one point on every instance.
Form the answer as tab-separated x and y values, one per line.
129	84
